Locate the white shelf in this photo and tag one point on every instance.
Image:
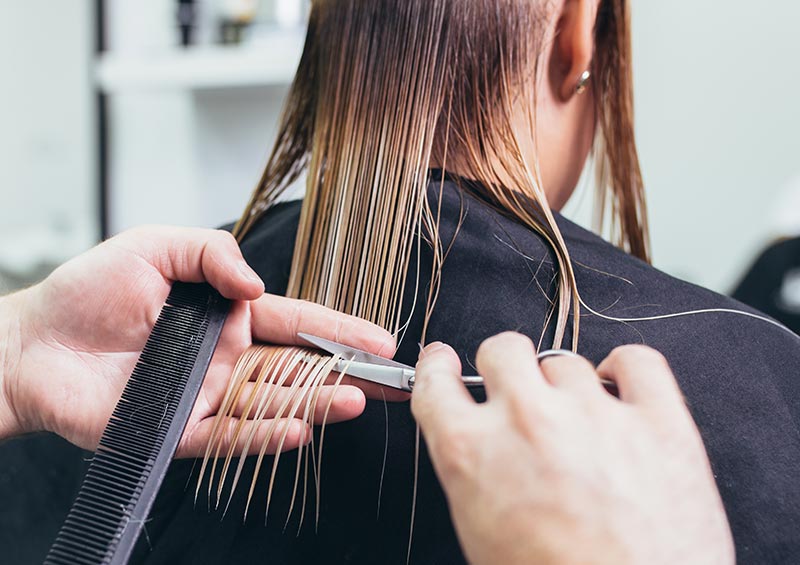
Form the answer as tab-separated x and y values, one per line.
271	60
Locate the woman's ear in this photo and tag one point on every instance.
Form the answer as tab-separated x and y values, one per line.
574	44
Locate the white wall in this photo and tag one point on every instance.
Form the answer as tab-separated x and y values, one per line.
718	118
235	132
188	157
47	173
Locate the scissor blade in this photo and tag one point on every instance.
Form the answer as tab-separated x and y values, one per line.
349	353
393	377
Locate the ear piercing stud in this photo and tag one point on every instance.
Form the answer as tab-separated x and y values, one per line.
580	88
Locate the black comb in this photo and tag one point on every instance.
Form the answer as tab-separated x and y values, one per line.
142	435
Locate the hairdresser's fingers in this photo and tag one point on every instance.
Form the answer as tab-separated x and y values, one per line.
370	390
283	435
195	255
346	402
643	377
572	374
440	398
507	362
278	320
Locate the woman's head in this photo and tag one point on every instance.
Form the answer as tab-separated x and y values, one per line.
484	88
523	76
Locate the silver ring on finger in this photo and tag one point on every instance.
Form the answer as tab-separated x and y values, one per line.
556	353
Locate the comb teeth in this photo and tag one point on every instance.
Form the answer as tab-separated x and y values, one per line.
142	435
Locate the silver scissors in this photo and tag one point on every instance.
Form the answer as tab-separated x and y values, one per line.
386	372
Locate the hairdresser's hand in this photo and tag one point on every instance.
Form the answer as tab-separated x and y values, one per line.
68	345
552	469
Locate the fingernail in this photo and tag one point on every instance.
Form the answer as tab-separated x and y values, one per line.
249	273
431	348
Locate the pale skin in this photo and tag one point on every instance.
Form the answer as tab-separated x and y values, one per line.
69	344
553	469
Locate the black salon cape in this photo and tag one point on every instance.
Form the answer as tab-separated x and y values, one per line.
740	376
764	285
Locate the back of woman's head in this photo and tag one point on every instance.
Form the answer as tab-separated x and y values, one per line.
385	90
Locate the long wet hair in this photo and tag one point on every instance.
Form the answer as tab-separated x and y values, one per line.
383	90
386	88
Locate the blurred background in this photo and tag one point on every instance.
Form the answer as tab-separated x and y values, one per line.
116	113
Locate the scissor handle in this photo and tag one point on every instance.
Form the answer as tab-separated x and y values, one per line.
469	381
477	381
610	386
472	381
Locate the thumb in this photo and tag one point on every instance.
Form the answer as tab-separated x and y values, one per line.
195	255
439	395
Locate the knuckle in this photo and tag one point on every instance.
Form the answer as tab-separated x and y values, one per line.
532	424
566	365
188	440
638	353
149	236
441	362
295	321
337	329
184	257
225	238
425	369
498	347
456	451
229	435
139	237
389	345
507	339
